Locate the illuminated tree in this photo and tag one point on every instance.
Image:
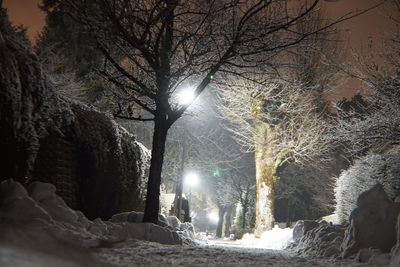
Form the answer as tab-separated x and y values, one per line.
281	116
169	44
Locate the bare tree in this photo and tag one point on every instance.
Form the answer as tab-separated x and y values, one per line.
167	44
243	185
232	184
377	129
65	82
375	125
282	117
227	172
220	160
280	123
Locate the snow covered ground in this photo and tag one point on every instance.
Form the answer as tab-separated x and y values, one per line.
277	238
21	247
249	251
37	229
216	253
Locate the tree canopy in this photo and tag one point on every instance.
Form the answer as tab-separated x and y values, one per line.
167	45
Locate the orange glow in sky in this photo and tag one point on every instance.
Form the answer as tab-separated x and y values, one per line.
26	12
371	25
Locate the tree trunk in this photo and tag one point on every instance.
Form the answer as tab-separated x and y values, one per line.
244	213
221	212
157	158
228	221
288	212
245	207
266	165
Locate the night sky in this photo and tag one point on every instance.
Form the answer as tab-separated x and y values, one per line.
26	12
361	29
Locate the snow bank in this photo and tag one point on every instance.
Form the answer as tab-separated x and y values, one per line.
372	235
40	208
320	240
274	239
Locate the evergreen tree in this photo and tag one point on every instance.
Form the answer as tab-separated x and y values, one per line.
6	27
65	47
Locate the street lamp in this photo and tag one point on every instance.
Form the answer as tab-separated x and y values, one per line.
191	179
213	219
186	96
213	216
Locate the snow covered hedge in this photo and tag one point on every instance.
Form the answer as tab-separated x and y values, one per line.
95	164
363	175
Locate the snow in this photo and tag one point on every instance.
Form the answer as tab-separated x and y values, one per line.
166	202
39	249
363	175
332	218
40	208
39	229
276	238
142	253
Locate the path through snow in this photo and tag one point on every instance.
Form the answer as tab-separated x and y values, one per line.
216	253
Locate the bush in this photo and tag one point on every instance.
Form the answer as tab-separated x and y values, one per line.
365	173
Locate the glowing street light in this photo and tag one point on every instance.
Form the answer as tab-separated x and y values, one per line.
192	179
186	96
213	216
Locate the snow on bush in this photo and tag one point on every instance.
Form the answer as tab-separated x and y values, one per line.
276	238
364	174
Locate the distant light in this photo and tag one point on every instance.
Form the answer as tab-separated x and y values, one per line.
192	179
186	96
212	77
216	173
213	217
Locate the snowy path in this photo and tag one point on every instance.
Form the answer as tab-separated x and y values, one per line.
218	253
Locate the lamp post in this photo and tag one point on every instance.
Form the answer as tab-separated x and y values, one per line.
185	97
179	185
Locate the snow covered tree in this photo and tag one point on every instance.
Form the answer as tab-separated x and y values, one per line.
68	53
233	183
281	124
280	113
375	127
227	172
243	184
371	131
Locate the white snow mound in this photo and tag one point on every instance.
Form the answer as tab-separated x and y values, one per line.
276	238
40	207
